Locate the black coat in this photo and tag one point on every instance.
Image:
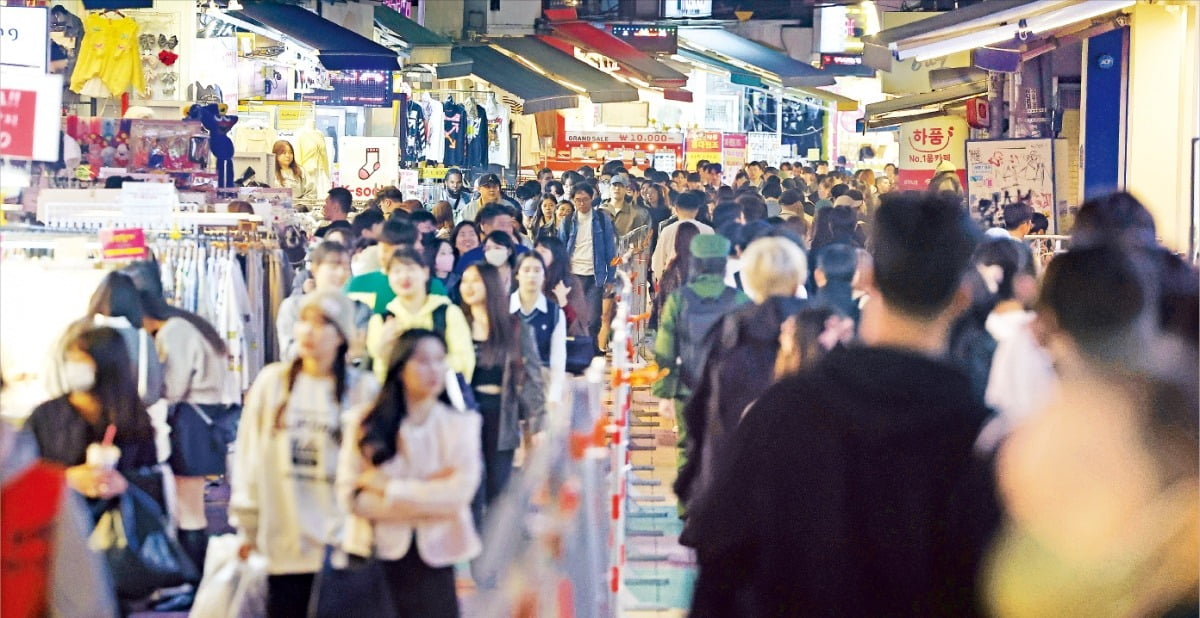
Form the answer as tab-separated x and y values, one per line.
741	365
850	490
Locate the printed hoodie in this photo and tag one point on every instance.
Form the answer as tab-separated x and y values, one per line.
458	334
854	487
285	465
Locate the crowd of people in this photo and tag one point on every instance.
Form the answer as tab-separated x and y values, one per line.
880	409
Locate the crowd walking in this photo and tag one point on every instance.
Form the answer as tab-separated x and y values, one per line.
881	409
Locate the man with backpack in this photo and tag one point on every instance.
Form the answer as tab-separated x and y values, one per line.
688	316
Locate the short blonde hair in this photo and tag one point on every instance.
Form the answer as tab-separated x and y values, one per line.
773	266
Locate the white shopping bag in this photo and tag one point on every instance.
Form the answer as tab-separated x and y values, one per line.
231	587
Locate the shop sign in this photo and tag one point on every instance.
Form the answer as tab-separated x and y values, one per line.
355	88
575	138
927	144
409	182
702	145
979	113
764	146
674	9
148	203
649	38
1010	170
840	29
25	36
912	76
127	244
17	109
841	60
733	150
367	164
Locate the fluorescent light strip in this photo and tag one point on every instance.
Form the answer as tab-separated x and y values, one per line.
1039	23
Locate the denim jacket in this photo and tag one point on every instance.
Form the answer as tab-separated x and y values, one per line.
604	243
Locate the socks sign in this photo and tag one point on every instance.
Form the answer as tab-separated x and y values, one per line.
367	164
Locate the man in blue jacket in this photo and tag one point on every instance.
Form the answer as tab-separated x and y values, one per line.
591	241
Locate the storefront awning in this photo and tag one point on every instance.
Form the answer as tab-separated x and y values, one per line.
540	93
924	105
586	36
979	25
599	86
739	76
743	77
422	45
338	48
727	45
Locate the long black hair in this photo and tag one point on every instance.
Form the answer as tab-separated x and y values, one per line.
117	297
341	380
504	329
146	278
556	270
115	388
381	425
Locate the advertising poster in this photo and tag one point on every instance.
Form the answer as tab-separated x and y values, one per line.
927	144
702	145
764	146
367	164
1009	171
733	148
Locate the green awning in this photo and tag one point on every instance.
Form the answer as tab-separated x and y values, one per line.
539	92
422	45
738	76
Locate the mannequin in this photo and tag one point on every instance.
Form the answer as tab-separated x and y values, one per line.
313	156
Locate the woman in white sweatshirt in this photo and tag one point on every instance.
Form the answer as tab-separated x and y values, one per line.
407	475
283	502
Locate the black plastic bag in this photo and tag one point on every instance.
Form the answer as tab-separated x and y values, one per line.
132	535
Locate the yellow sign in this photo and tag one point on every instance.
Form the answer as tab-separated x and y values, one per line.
910	76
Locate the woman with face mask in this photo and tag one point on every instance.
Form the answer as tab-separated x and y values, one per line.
101	393
117	305
282	501
507	383
544	317
406	477
414	307
499	250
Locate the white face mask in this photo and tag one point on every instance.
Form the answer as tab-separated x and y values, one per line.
496	257
80	377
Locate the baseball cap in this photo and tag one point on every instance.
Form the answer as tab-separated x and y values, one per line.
335	307
489	179
619	179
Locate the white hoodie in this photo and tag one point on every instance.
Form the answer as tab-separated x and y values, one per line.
1022	378
282	481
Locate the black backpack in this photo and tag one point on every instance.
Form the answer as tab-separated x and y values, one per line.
697	317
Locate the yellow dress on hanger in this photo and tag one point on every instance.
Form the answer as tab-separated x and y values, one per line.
109	53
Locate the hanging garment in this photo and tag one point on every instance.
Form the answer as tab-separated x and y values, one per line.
456	147
414	149
477	137
109	52
498	132
435	132
313	158
251	138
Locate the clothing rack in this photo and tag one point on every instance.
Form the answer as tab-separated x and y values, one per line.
449	91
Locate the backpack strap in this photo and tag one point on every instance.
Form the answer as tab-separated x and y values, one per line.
439	320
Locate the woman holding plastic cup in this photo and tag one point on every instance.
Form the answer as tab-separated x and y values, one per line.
100	429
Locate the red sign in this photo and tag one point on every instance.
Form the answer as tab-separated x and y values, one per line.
978	113
128	244
17	109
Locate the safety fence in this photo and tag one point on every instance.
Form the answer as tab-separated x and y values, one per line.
556	542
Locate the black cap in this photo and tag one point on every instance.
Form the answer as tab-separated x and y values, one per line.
489	179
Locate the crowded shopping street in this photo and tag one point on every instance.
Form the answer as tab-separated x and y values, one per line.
599	308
